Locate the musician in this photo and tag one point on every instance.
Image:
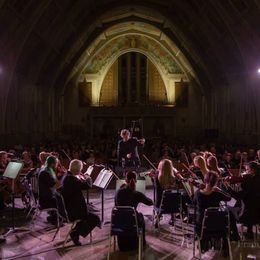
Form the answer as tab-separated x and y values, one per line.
27	161
32	176
48	196
128	196
73	183
127	150
200	162
164	180
212	164
250	196
227	161
3	161
236	160
211	196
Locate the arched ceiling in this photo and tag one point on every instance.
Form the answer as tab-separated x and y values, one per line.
42	41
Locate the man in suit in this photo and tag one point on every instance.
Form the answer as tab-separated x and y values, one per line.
73	183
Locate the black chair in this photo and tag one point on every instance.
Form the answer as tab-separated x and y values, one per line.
171	203
215	225
124	223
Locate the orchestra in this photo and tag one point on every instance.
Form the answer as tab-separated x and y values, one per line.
205	178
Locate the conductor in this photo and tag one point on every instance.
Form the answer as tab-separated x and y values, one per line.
127	150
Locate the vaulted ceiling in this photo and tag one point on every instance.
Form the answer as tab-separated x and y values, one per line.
41	41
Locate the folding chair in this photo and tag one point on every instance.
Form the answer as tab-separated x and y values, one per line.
215	225
124	223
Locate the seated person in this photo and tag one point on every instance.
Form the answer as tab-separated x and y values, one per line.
249	214
208	197
28	163
164	180
48	196
128	196
73	183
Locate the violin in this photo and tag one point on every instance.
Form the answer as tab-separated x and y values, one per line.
237	179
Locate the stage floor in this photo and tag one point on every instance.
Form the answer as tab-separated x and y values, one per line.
37	244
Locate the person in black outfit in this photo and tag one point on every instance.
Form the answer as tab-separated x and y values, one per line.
73	183
48	195
128	196
127	150
208	197
250	197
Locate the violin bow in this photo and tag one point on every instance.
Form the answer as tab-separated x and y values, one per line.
151	164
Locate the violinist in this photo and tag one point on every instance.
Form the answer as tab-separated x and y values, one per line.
32	176
127	149
227	161
211	196
212	163
163	179
27	162
128	196
250	197
73	183
48	196
200	163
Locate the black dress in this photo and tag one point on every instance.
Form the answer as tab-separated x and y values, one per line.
76	205
127	197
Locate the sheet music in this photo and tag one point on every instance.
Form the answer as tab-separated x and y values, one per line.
12	170
103	178
89	170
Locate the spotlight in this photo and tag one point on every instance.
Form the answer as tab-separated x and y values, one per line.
258	70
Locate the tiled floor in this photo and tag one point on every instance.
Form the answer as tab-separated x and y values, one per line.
37	243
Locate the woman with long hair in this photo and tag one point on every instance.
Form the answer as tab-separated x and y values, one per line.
212	163
127	195
164	179
200	163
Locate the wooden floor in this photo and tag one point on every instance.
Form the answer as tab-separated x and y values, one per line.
37	244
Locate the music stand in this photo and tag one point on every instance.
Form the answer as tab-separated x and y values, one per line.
101	182
12	171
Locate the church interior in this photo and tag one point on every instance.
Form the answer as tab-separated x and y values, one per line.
137	100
